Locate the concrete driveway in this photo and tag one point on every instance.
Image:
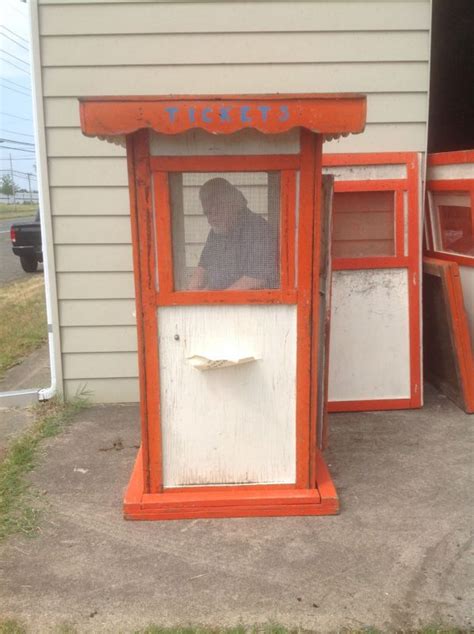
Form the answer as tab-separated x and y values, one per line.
396	558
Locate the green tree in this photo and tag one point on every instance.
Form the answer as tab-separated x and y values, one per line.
8	185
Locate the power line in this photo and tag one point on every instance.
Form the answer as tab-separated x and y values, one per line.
15	84
15	132
20	37
19	59
23	158
16	9
17	142
25	94
12	40
7	114
18	149
12	64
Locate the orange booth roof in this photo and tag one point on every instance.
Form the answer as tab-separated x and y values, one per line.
332	115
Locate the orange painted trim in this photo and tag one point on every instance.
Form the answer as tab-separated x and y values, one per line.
274	502
218	497
451	158
461	260
146	315
463	185
287	229
354	264
163	232
449	273
188	298
414	284
375	185
219	114
310	164
241	163
371	158
136	486
315	314
141	351
428	244
371	405
399	229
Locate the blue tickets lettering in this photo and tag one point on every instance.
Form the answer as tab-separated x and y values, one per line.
264	111
284	113
224	113
192	115
244	114
171	113
205	115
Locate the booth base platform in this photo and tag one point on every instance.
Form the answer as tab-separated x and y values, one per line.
230	501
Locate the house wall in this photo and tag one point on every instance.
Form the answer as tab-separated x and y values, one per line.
89	48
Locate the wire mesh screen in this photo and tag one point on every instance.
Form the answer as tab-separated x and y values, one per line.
225	230
364	224
453	222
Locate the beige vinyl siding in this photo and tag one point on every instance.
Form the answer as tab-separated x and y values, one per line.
97	312
90	201
233	48
100	365
105	390
95	285
99	47
232	17
99	339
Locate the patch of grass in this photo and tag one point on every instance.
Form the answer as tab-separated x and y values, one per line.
11	626
23	320
19	508
20	210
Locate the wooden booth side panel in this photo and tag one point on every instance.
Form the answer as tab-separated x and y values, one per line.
375	352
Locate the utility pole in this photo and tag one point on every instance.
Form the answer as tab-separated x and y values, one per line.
13	182
29	188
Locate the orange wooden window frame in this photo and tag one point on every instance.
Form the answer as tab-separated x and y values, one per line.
461	185
286	165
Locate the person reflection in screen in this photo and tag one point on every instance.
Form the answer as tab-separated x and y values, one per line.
241	248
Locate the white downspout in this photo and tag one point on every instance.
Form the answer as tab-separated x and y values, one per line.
52	312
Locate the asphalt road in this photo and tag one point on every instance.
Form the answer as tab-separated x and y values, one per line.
10	267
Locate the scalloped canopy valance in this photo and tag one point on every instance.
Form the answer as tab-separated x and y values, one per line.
331	115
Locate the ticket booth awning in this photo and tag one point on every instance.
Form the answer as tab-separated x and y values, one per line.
331	115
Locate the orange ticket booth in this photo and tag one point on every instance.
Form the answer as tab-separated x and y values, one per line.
230	232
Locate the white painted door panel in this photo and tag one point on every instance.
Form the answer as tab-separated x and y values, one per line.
369	348
234	425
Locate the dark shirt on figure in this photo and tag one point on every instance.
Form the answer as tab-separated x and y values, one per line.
249	249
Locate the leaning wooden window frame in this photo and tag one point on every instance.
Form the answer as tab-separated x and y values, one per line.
407	256
441	185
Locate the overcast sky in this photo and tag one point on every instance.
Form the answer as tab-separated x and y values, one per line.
16	118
